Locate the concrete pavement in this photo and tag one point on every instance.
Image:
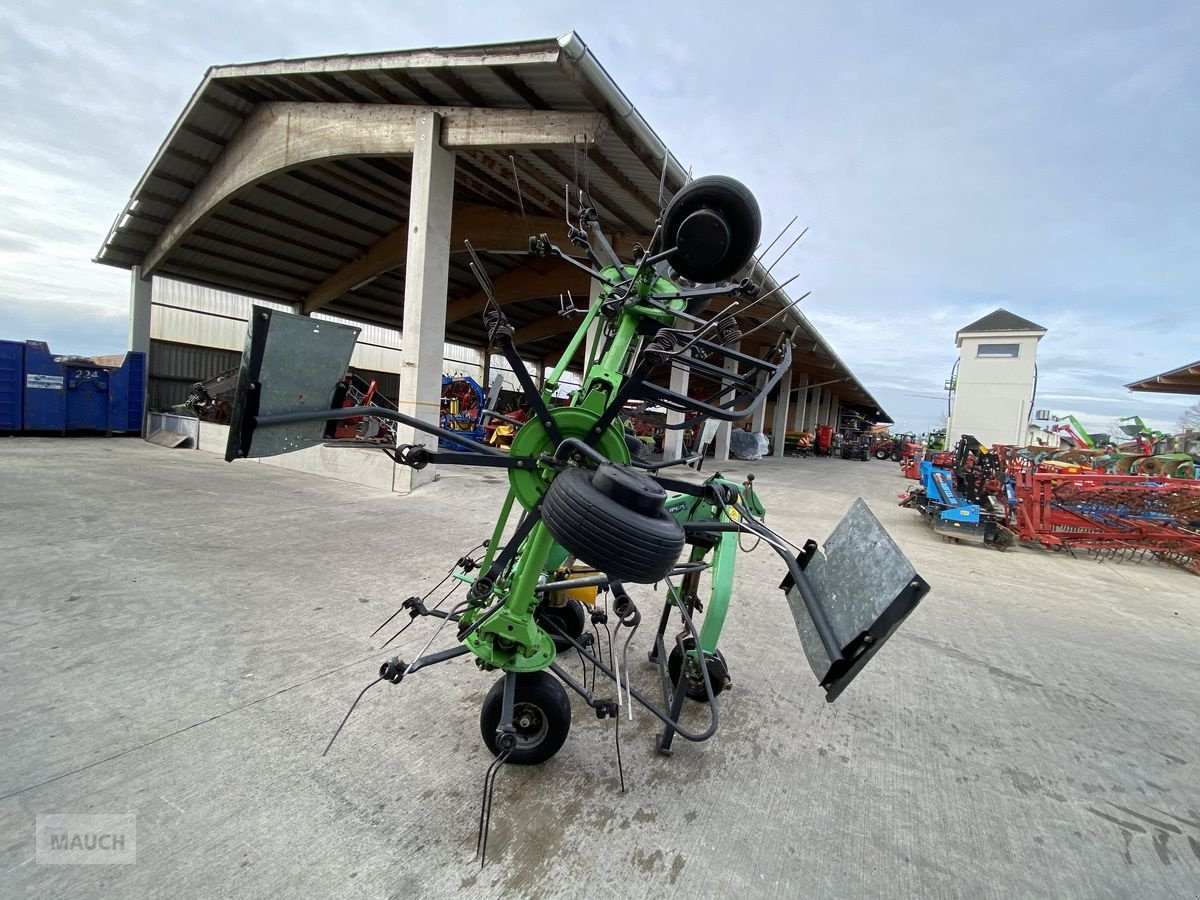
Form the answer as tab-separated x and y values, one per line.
182	635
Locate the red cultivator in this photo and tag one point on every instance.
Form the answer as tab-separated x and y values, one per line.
1109	515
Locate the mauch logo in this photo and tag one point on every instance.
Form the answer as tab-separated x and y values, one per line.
86	839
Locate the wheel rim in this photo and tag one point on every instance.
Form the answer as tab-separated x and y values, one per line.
530	724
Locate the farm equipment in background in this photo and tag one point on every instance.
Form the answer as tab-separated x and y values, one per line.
891	446
356	392
901	444
1105	514
1079	499
501	429
912	451
881	446
824	442
957	495
1148	454
1074	432
205	398
798	443
466	409
856	446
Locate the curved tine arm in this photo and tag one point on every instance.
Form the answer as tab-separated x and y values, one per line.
545	248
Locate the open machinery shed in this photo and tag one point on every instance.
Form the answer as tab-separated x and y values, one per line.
348	184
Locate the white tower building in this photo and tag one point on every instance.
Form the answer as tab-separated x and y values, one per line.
996	372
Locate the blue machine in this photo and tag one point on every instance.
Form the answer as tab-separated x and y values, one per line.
43	392
465	407
950	514
463	403
12	386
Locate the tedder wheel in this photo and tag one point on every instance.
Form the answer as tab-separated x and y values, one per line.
541	717
883	454
715	223
615	520
718	672
570	617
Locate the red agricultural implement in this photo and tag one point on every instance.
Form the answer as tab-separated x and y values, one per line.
824	443
1108	515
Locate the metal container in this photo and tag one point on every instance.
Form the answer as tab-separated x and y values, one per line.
43	392
12	385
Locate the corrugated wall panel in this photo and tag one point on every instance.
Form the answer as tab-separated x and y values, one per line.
185	326
370	334
213	324
174	368
378	359
459	353
222	303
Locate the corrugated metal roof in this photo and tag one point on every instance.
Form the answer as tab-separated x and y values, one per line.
283	236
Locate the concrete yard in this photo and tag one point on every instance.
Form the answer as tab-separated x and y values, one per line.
181	636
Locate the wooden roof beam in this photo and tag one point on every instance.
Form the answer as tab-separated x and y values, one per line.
486	227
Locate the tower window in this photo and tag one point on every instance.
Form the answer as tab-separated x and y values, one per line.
998	351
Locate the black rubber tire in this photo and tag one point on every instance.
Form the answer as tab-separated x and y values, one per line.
733	204
718	672
883	454
571	617
541	715
606	532
637	447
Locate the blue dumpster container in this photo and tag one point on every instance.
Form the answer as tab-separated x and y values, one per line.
45	396
127	394
12	385
43	392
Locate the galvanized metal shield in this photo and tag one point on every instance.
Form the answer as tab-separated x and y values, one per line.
290	364
865	585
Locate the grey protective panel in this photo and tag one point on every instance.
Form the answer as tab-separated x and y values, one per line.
293	364
856	576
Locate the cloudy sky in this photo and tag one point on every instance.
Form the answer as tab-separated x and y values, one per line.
948	158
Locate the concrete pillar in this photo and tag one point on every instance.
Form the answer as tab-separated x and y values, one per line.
814	413
758	420
801	403
835	412
426	280
721	439
140	295
780	426
673	439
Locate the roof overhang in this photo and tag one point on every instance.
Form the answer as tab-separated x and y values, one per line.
997	335
1184	380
